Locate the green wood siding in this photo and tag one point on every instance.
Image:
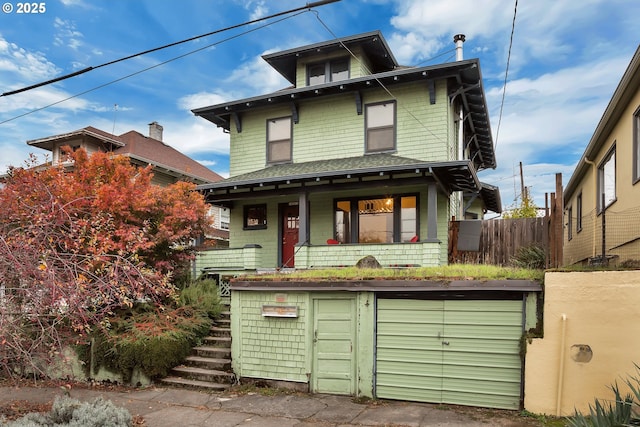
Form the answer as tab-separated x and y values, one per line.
459	352
321	224
282	348
329	128
269	347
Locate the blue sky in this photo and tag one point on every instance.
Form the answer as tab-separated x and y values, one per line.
566	60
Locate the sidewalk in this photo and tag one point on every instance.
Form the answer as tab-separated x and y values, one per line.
169	407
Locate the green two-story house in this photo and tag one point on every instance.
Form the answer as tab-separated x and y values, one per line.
359	156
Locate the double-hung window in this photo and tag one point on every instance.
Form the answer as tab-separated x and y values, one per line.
376	219
579	213
607	180
329	71
570	223
279	140
380	122
636	146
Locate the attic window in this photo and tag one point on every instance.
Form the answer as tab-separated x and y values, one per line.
329	71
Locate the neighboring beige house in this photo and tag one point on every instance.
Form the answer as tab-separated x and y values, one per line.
607	180
169	165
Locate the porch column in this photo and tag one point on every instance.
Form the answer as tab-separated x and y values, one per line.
303	218
432	212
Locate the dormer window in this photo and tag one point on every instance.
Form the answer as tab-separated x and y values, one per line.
328	71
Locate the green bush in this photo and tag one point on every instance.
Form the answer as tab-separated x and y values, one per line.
153	341
529	257
624	411
203	295
73	413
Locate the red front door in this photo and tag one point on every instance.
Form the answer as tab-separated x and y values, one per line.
290	227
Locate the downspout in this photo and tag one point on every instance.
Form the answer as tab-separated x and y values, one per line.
459	39
563	334
595	186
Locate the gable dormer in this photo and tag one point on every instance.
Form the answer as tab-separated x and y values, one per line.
338	59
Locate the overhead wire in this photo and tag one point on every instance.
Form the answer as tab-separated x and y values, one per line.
153	66
308	6
506	74
382	85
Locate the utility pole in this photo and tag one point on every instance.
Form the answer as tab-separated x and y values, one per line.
523	189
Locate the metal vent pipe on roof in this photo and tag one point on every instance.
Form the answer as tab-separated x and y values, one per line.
459	39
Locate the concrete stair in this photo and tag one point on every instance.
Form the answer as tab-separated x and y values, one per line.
209	366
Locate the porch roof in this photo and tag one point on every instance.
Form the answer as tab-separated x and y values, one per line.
328	175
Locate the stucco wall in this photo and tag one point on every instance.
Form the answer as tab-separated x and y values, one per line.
601	312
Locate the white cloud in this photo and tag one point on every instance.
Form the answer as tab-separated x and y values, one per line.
269	80
25	65
202	99
67	34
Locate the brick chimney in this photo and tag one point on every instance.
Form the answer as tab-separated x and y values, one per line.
155	131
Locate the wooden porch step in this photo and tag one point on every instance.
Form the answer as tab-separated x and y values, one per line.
185	382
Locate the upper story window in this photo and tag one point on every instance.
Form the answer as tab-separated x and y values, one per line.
636	146
279	140
329	71
579	213
570	223
380	122
607	180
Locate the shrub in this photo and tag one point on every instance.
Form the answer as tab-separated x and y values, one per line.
203	295
73	413
529	257
153	341
622	412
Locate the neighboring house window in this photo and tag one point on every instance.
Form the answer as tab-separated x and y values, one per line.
570	223
329	71
636	146
607	180
255	217
380	127
376	220
579	213
279	140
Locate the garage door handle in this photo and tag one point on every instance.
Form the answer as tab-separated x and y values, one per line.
445	342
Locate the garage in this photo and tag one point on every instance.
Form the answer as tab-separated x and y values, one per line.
457	350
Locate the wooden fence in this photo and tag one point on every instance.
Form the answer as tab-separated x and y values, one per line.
496	241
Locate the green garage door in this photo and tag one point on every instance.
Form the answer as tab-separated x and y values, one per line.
464	352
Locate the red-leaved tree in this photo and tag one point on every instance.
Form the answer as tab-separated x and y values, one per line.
78	243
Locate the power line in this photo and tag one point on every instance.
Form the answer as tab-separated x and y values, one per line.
163	63
506	74
308	6
382	85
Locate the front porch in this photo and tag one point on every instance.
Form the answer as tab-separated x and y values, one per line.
248	259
